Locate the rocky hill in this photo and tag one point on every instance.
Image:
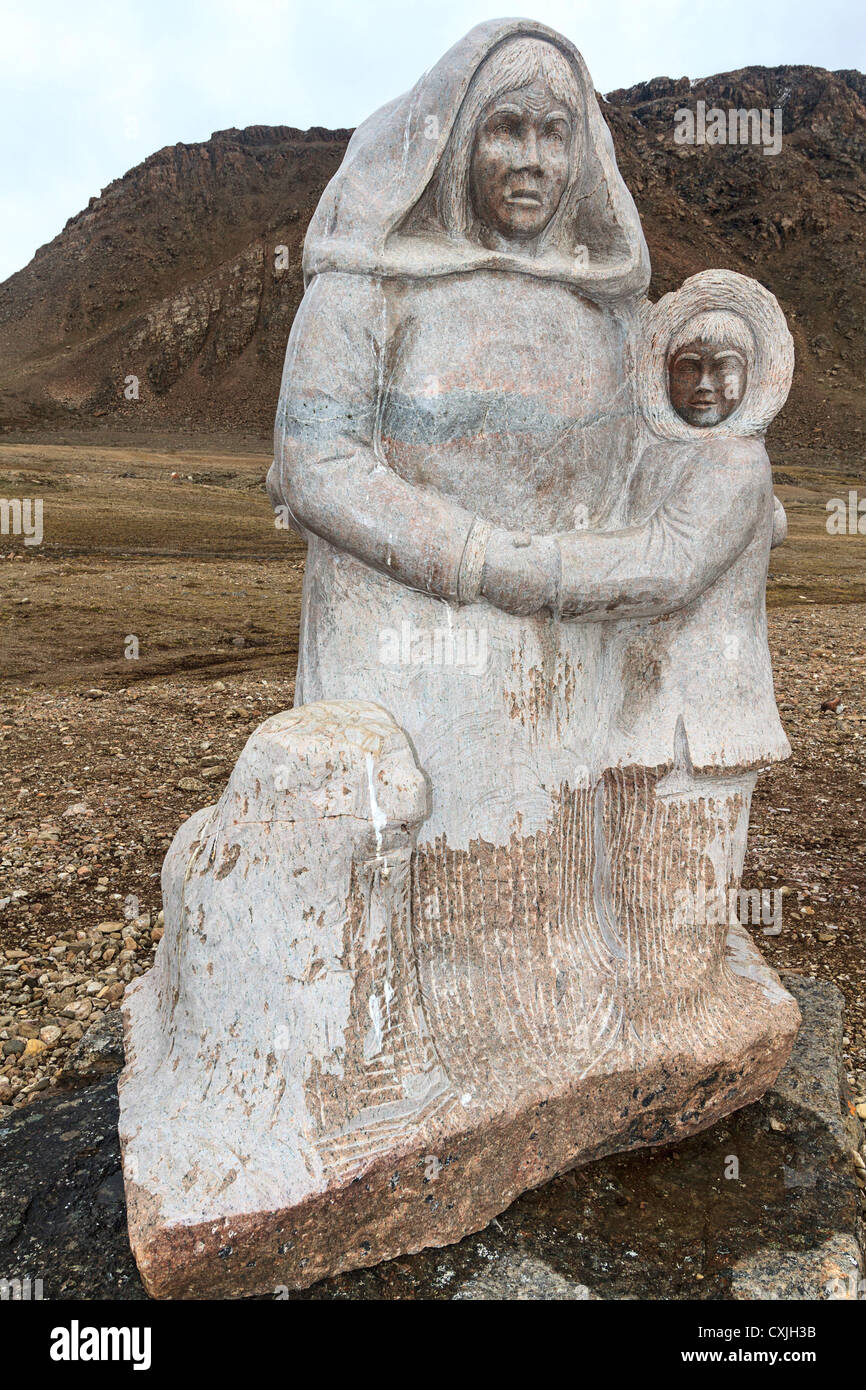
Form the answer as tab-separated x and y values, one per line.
169	276
173	275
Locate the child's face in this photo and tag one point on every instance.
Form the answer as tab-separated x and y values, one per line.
706	382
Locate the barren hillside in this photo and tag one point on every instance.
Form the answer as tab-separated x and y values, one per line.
171	274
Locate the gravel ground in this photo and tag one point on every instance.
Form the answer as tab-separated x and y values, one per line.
97	783
97	780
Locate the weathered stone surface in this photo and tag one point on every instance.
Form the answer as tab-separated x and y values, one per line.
307	1086
279	1045
833	1270
97	1054
520	1278
640	1226
481	930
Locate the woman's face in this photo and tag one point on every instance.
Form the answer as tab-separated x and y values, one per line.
520	161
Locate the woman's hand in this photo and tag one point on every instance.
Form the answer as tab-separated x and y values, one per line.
521	573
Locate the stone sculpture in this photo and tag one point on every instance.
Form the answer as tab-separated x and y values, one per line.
470	887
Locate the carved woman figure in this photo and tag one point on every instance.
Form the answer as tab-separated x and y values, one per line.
457	430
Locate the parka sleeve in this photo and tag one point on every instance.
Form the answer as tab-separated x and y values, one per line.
685	545
328	467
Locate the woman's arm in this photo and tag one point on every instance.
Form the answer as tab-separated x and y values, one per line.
684	546
327	469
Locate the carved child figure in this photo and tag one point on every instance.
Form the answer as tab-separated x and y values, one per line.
686	709
708	368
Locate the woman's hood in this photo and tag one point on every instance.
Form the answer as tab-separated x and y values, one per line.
358	226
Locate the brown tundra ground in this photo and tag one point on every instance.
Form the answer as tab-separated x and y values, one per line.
104	754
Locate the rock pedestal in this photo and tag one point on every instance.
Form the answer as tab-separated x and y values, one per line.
314	1085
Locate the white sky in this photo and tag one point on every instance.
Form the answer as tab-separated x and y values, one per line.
88	88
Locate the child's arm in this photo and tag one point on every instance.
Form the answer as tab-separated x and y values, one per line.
685	545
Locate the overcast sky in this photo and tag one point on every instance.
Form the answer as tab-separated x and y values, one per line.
91	87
